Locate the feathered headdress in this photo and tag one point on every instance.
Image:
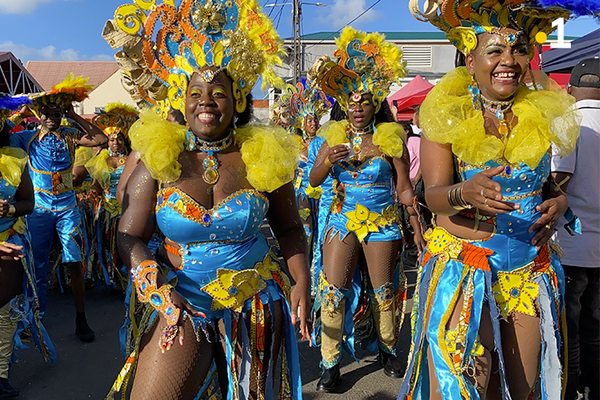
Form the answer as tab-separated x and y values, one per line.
302	100
63	94
164	44
463	20
117	117
366	62
8	104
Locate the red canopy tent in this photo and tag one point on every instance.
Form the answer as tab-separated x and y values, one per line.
410	96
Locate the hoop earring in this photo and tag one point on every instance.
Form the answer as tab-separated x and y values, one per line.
475	94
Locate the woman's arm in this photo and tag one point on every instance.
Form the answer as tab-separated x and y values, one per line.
406	196
287	227
326	157
93	135
24	196
79	174
132	161
437	167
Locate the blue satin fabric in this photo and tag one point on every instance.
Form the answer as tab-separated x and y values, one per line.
227	237
54	153
369	184
512	249
115	177
25	307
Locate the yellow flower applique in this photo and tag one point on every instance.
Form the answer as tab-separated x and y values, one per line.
314	193
304	213
515	291
232	288
362	221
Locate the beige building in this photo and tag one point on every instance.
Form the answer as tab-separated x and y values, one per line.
103	75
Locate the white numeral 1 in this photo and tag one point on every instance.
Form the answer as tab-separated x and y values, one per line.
560	44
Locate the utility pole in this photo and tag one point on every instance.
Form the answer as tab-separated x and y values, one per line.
297	59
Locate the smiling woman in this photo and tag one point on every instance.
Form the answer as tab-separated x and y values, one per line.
490	290
218	310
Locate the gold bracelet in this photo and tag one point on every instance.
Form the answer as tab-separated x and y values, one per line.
456	200
328	163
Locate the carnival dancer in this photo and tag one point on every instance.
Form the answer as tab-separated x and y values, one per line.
306	106
19	305
227	319
489	293
51	152
106	168
87	202
366	156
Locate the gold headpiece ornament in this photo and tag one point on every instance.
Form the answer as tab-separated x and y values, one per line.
463	20
367	63
117	117
63	94
164	44
302	100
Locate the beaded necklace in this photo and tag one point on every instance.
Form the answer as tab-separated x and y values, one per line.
355	135
120	154
498	108
210	163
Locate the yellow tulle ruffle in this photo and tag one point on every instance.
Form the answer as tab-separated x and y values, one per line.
545	118
99	169
12	164
270	154
83	155
159	143
388	136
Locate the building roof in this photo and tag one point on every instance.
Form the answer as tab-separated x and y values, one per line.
396	36
15	79
49	73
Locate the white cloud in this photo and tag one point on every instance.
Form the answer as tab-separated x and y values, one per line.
343	11
48	53
21	6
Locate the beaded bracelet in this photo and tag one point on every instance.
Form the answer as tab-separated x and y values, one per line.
456	200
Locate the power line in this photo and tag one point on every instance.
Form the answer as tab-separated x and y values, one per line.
347	23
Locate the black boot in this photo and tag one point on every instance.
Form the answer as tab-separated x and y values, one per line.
391	366
330	379
7	391
83	330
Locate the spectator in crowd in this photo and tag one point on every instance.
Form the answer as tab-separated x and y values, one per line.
578	175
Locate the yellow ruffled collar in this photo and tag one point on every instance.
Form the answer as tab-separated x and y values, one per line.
12	164
388	136
270	154
545	118
99	169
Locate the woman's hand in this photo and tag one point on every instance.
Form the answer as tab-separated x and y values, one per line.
4	207
300	307
419	240
11	250
552	210
482	192
183	305
25	112
337	153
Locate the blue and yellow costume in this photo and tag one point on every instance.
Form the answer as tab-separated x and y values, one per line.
116	119
227	270
23	311
87	208
362	201
503	274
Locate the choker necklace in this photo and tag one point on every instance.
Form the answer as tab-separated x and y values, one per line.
356	140
210	163
121	156
307	138
498	108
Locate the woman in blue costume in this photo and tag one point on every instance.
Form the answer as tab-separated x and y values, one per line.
366	156
105	169
219	316
488	307
306	106
19	304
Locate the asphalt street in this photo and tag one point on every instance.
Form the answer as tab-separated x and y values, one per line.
87	371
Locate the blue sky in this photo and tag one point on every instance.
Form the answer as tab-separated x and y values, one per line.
71	29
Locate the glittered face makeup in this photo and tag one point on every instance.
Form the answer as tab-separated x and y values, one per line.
499	62
361	110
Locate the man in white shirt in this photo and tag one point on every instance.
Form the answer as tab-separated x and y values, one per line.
578	175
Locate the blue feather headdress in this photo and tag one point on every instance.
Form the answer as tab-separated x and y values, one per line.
577	7
8	104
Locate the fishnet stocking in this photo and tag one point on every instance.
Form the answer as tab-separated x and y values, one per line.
178	373
381	260
339	259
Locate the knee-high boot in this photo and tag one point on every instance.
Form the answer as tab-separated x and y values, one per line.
8	327
384	313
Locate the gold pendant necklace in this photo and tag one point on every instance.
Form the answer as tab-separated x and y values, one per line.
210	163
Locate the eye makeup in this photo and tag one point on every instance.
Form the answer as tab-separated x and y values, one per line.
195	92
220	92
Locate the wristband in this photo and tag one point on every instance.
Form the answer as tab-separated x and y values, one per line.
328	163
144	276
